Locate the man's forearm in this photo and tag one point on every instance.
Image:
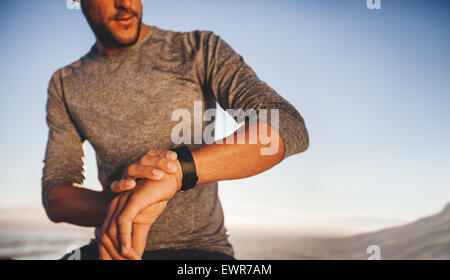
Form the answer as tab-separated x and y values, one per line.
78	206
218	162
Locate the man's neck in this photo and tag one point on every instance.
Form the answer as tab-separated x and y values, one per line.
107	50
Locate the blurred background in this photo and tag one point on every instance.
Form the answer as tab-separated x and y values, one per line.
372	85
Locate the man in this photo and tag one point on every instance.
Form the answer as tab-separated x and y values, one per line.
160	197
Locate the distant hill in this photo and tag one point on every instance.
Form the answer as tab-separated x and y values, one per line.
426	238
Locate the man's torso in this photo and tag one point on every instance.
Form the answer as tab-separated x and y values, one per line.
122	104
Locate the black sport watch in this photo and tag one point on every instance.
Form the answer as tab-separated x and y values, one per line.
188	167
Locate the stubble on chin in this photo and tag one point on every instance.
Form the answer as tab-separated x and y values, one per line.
107	37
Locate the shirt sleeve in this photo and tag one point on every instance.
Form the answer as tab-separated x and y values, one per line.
235	85
64	153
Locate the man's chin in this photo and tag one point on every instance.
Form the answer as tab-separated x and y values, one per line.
120	41
126	42
127	39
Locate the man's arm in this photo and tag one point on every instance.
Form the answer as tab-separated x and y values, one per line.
63	167
78	206
234	85
221	161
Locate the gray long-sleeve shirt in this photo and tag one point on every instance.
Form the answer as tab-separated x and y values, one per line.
122	105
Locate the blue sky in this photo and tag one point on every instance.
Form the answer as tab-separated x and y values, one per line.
372	85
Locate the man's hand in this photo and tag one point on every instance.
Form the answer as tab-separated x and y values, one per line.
153	166
130	216
109	244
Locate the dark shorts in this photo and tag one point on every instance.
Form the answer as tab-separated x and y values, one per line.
90	252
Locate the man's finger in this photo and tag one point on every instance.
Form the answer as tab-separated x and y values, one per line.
154	152
111	230
132	254
123	185
171	155
157	162
125	252
110	249
125	224
111	210
160	163
107	228
103	253
138	170
163	153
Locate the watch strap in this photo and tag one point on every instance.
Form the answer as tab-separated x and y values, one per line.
188	167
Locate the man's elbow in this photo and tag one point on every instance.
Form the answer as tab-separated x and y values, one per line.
298	141
51	212
304	140
51	202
